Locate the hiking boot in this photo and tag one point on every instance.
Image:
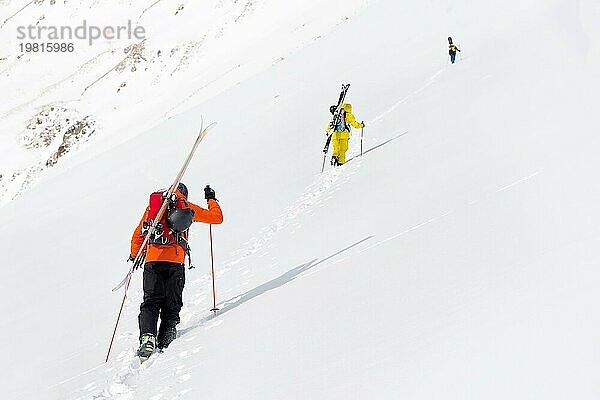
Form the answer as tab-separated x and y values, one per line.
334	161
147	346
166	334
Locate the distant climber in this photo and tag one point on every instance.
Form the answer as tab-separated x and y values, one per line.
164	271
452	49
341	132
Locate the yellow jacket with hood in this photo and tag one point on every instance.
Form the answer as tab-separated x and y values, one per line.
350	120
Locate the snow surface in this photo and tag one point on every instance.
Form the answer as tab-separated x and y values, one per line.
457	259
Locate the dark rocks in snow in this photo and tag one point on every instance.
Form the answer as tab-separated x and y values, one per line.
75	135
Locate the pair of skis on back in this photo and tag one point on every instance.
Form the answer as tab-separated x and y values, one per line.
334	119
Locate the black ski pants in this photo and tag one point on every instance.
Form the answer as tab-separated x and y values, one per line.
163	295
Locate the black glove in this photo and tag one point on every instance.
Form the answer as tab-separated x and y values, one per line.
363	124
131	258
209	193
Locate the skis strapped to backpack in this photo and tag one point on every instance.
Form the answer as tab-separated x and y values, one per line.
336	120
152	228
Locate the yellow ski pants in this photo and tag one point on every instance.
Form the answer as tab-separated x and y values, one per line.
340	145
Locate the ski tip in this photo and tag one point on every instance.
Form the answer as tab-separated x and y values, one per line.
204	130
202	127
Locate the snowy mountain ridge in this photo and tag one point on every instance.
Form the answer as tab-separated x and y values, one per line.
192	51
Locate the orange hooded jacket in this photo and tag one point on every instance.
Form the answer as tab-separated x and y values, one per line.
173	252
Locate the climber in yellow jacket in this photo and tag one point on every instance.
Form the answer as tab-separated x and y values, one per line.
341	132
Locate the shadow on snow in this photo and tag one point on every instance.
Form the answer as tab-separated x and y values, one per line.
376	147
267	286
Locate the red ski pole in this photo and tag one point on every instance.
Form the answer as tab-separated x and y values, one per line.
212	268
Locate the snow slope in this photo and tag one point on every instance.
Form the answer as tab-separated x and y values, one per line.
456	259
119	88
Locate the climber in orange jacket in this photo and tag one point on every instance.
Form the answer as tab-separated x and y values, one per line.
164	270
341	132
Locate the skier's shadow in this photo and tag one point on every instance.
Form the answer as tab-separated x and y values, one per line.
266	287
376	147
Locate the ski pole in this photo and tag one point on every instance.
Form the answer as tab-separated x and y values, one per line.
118	318
325	150
361	139
212	268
